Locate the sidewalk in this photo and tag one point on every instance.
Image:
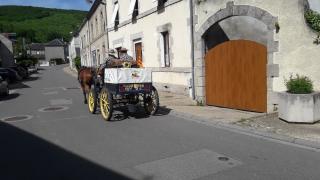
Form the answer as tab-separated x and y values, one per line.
261	124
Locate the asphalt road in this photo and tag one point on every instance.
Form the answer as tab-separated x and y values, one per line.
73	144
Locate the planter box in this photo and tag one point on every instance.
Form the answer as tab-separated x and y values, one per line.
299	108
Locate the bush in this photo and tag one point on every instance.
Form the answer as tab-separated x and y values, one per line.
299	85
26	61
77	62
313	19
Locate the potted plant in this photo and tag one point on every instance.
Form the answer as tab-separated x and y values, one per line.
299	104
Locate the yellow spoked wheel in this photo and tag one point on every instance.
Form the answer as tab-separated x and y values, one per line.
92	101
106	104
151	102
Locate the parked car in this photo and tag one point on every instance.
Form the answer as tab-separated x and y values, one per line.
4	74
21	71
4	89
10	75
32	69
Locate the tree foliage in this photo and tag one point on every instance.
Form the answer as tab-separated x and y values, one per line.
39	24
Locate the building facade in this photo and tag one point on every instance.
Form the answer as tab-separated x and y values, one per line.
74	50
278	28
93	36
36	50
84	44
55	49
6	52
157	37
234	54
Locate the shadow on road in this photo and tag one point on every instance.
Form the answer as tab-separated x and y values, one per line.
122	113
26	156
9	97
18	85
31	78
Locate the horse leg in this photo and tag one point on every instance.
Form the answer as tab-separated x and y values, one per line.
84	94
85	97
86	90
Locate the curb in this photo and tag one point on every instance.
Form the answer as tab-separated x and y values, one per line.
311	145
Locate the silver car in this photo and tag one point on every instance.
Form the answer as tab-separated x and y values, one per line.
4	89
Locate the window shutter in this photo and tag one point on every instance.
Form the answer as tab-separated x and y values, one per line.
131	7
114	14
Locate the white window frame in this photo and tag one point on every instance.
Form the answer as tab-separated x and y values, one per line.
165	60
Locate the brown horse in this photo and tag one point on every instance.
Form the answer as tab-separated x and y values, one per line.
85	78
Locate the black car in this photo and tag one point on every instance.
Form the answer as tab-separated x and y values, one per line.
4	89
10	75
21	71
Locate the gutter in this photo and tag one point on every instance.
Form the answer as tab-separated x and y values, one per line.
192	47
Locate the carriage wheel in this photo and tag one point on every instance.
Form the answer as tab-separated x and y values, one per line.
92	100
106	104
151	102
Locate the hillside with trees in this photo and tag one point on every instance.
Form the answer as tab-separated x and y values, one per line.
37	24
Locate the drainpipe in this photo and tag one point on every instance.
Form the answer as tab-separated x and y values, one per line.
107	32
89	34
192	47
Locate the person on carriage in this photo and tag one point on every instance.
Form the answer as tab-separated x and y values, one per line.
126	59
111	55
123	55
109	60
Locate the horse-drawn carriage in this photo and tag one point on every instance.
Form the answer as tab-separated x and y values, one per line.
117	87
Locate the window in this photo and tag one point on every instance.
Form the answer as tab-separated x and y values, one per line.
134	9
115	15
94	58
165	49
102	22
91	31
96	26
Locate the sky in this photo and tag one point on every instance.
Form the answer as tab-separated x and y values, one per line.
315	5
59	4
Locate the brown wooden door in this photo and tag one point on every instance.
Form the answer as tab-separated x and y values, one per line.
236	76
138	51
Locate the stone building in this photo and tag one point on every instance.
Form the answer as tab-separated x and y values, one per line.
158	35
277	29
233	54
74	50
55	49
36	50
93	36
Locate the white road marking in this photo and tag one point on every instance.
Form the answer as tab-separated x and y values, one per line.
50	93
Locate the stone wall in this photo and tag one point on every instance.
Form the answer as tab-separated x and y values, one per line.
290	51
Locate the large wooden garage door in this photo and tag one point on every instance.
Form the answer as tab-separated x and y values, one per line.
236	76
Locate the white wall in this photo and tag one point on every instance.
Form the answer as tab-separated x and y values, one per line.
73	45
146	28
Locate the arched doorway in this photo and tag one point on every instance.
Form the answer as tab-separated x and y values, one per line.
236	75
222	32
